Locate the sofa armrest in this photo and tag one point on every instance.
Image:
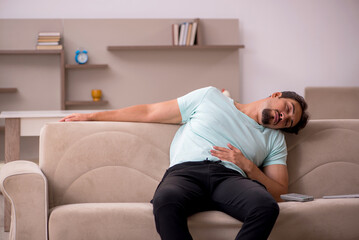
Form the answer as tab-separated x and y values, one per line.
25	186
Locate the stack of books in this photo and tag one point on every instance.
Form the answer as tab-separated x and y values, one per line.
49	41
184	34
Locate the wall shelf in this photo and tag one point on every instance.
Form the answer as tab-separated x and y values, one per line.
8	90
31	52
171	47
86	103
85	66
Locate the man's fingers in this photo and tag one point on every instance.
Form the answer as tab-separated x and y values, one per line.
71	117
220	148
217	154
233	148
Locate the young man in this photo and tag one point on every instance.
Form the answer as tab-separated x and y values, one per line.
226	156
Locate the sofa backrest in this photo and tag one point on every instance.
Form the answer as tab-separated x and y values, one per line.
332	102
323	159
104	161
124	162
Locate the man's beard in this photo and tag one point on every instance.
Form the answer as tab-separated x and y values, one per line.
266	116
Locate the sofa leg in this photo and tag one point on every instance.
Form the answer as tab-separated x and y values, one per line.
7	213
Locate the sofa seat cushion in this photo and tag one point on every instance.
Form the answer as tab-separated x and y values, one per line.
321	219
129	221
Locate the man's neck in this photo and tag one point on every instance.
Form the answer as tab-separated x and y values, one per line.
250	109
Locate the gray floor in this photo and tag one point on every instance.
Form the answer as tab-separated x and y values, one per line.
3	235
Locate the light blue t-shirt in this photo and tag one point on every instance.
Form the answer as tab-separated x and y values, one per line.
211	119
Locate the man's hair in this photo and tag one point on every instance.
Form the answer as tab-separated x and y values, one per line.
303	119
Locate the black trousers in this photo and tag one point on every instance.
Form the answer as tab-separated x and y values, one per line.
193	187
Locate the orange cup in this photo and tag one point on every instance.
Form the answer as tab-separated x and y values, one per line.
96	94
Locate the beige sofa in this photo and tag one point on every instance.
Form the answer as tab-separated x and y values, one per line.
95	181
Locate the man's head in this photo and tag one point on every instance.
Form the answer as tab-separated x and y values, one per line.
285	111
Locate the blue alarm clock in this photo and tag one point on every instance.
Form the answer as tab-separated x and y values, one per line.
81	57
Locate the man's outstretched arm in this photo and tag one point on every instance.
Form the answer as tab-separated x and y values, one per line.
162	112
274	177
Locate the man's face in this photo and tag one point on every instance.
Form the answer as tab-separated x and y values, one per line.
279	112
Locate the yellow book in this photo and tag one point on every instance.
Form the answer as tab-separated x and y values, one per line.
189	32
49	47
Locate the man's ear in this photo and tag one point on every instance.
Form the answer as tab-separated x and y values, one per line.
276	94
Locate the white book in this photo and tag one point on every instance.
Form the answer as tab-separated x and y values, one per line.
48	43
181	37
175	34
49	34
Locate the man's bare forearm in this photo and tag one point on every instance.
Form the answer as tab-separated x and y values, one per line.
274	187
163	112
138	113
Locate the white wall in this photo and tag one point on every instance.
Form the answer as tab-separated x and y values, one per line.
289	44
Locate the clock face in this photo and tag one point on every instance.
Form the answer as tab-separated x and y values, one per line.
82	58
